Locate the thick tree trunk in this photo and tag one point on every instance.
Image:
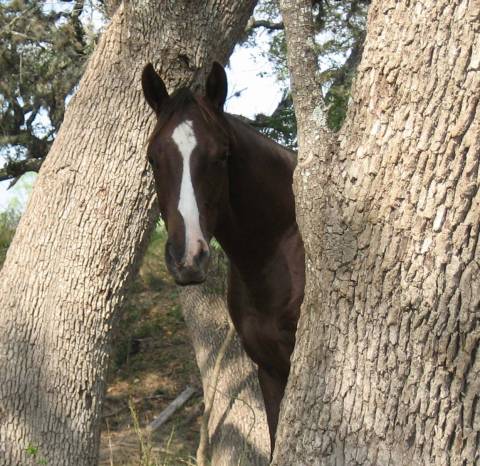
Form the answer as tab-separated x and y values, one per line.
65	274
237	427
386	369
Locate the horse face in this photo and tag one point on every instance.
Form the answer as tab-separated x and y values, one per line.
188	157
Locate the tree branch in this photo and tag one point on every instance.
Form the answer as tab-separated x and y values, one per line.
36	148
32	39
170	410
6	29
350	64
354	9
15	169
31	118
262	120
262	23
77	25
303	65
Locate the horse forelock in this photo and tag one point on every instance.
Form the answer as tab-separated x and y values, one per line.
179	102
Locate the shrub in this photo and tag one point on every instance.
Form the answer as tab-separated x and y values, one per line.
8	223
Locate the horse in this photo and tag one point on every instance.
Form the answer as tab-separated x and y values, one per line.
215	176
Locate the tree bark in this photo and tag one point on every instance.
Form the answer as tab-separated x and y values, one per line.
77	244
386	369
237	425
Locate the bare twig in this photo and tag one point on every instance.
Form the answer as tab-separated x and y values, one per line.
351	63
26	12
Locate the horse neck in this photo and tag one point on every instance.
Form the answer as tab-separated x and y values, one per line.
260	207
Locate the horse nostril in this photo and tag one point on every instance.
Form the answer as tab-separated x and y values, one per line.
170	253
203	253
200	257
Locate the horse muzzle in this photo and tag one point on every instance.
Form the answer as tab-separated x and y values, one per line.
187	272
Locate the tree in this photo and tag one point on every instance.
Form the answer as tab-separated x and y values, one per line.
77	244
386	369
339	28
43	52
42	56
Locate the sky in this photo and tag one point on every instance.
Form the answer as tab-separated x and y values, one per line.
258	95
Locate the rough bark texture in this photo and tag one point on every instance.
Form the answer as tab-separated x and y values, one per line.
386	369
238	432
309	106
66	271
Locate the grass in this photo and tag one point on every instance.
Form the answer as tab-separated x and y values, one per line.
151	455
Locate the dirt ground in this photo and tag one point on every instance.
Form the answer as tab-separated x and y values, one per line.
153	363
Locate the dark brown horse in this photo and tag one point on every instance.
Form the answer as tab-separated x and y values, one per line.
217	177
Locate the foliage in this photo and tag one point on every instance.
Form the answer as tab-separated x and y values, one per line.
42	56
281	125
340	30
33	451
8	223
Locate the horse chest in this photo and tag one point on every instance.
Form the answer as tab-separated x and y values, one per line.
265	315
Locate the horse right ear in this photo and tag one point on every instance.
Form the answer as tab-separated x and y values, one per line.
154	88
217	86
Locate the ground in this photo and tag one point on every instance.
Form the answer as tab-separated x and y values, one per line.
153	363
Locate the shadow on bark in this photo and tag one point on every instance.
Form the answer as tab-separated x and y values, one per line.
69	425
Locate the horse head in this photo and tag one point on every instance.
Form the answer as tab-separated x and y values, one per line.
188	153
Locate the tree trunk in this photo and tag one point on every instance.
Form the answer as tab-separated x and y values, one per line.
386	369
237	425
66	271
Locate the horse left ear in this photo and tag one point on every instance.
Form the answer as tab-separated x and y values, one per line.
217	85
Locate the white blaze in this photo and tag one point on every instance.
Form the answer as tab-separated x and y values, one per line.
184	138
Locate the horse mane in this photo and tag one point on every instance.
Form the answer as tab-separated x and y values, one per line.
245	123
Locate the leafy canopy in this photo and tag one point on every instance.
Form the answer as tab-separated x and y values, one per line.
43	51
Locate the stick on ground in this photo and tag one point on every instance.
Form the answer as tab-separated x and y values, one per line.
167	413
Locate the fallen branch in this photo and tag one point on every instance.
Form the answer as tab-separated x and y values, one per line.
168	412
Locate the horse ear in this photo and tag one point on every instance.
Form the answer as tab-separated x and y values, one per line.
154	88
217	85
